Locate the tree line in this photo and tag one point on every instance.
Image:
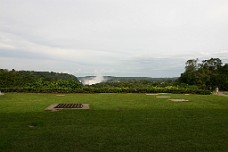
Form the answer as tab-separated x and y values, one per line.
198	78
32	81
207	74
51	82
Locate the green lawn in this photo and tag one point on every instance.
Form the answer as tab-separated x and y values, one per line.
115	122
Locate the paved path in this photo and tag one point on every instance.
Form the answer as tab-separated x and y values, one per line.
222	94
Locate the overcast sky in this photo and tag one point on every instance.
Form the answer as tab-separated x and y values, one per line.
152	38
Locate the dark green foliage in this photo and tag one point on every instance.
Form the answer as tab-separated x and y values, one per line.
31	81
44	82
207	75
143	87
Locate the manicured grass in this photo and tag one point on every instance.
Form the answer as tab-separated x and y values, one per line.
115	122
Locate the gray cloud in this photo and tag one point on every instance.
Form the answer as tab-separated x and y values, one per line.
123	38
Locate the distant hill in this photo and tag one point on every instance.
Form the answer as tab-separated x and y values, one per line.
88	80
14	78
114	79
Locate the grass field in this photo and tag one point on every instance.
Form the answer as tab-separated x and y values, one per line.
115	122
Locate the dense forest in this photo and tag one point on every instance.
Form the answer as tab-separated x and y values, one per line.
207	74
31	81
198	78
51	82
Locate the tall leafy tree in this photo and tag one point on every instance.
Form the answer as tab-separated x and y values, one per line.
223	77
208	74
189	76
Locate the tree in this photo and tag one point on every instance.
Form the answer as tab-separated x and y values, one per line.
207	75
189	76
223	77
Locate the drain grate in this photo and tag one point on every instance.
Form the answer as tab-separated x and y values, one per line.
60	106
71	105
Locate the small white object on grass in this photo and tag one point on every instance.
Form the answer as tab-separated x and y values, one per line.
164	93
151	94
60	95
179	100
163	97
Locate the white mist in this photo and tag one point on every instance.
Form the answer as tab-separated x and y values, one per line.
95	80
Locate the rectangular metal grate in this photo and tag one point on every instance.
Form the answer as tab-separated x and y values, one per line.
60	106
69	105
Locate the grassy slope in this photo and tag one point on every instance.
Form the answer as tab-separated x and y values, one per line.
115	122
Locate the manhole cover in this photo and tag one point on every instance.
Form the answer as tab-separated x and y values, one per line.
55	107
